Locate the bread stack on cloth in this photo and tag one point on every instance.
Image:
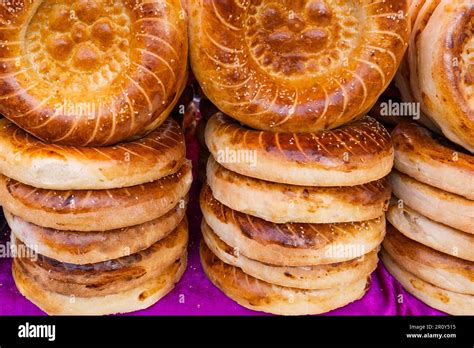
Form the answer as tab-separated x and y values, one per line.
94	176
297	181
430	247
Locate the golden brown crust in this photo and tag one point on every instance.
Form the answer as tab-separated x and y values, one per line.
438	205
402	78
433	160
442	270
442	78
92	247
135	299
105	278
203	157
48	166
290	244
386	112
282	203
444	300
262	296
296	65
110	71
354	154
100	210
430	233
307	277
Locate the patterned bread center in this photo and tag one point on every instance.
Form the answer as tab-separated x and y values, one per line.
300	37
79	46
467	66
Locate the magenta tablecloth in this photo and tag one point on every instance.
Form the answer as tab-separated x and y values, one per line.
195	295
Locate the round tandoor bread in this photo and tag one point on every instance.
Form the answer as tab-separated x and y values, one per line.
296	66
141	297
308	277
282	203
354	154
444	300
90	72
433	160
95	246
49	166
100	210
291	244
439	269
438	205
262	296
440	67
402	77
402	80
103	278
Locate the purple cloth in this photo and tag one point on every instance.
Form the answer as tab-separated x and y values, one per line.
196	295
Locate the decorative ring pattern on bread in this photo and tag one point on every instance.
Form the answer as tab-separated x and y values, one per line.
296	66
354	154
90	72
